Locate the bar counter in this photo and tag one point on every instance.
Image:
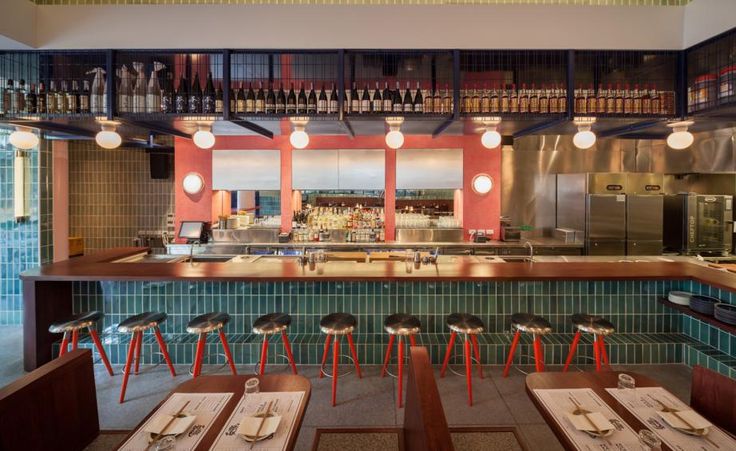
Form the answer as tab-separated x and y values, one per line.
626	293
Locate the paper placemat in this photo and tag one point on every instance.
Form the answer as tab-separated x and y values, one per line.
558	402
641	403
285	404
205	406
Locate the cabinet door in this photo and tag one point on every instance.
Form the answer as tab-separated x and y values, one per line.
606	217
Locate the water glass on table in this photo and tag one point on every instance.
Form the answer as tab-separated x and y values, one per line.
626	382
649	441
252	385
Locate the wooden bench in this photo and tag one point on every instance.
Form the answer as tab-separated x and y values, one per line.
52	408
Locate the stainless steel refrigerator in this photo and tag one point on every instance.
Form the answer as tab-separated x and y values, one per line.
644	214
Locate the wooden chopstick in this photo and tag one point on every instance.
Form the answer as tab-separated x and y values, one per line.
166	426
260	426
674	412
585	414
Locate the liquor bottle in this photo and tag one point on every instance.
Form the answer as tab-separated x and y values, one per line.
418	100
475	101
260	105
30	100
345	101
628	100
619	100
646	100
246	103
543	100
408	103
291	100
436	101
4	100
365	100
334	105
301	101
485	100
513	100
377	103
562	100
447	101
153	92
195	96
139	88
581	105
60	98
636	96
72	99
552	99
494	101
534	100
20	97
591	100
388	99
181	99
233	99
601	102
523	99
429	96
311	100
208	97
466	101
398	106
167	96
50	98
656	97
125	91
41	99
505	103
354	106
219	100
276	102
240	94
322	102
610	100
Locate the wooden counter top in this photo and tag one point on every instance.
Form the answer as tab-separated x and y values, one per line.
97	267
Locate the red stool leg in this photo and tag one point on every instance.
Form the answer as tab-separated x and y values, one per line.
512	350
128	363
264	355
164	350
571	353
287	346
75	339
387	359
335	359
476	352
100	349
602	345
199	354
412	340
541	354
468	371
228	354
138	345
328	340
597	352
64	344
355	355
448	353
538	354
401	371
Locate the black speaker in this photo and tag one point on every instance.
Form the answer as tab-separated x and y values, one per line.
160	164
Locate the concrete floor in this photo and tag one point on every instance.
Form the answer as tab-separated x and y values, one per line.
370	401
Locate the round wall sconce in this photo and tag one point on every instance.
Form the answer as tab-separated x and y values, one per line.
482	184
193	183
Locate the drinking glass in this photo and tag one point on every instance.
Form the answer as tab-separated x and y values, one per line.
649	440
252	385
626	381
165	443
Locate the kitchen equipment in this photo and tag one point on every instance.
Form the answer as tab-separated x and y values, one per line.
193	231
725	312
644	214
703	304
436	235
567	236
696	223
480	237
679	297
508	232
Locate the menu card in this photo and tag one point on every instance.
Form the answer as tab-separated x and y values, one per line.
561	403
284	404
204	407
643	404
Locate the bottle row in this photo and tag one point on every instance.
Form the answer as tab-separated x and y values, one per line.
67	98
624	101
504	98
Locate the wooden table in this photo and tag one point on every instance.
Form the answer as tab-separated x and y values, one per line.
236	385
596	381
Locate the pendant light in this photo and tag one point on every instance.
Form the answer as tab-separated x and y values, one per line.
584	138
299	137
394	138
491	138
23	138
680	138
108	137
203	137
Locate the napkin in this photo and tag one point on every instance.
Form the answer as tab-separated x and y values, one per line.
689	415
249	426
178	426
582	424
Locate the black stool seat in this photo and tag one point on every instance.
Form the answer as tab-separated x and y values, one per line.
272	323
526	322
141	322
464	323
207	322
402	324
76	322
338	324
593	324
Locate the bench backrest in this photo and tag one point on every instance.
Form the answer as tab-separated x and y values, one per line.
714	396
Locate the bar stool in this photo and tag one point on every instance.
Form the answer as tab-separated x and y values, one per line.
202	325
137	325
337	324
535	325
399	325
599	327
73	325
272	324
469	326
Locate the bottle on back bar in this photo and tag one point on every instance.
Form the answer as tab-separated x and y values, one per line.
139	88
291	100
646	100
377	104
195	96
485	100
636	100
505	106
219	100
181	99
72	99
523	99
354	100
60	98
398	106
167	96
418	100
601	102
323	103
429	101
20	100
276	103
543	100
388	99
208	97
513	100
41	99
334	104
408	103
437	101
447	101
246	102
260	104
534	100
30	100
590	101
365	100
233	107
656	107
466	101
301	101
628	100
619	100
311	100
610	100
474	100
562	100
125	92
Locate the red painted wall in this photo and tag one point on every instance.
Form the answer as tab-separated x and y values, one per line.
479	212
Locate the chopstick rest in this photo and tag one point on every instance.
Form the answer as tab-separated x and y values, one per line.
248	427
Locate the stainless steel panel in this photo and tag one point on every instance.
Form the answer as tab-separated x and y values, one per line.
605	247
606	183
644	183
636	247
429	235
606	217
429	169
644	217
234	170
251	235
362	169
315	169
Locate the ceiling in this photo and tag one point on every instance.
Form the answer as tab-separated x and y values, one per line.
372	2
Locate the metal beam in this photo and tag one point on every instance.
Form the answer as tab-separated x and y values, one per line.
158	127
630	128
55	127
443	126
248	125
661	136
539	127
348	127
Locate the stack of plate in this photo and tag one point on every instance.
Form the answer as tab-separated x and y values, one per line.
726	313
679	297
703	304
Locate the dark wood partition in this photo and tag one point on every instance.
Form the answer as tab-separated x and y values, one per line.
51	408
714	395
43	303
